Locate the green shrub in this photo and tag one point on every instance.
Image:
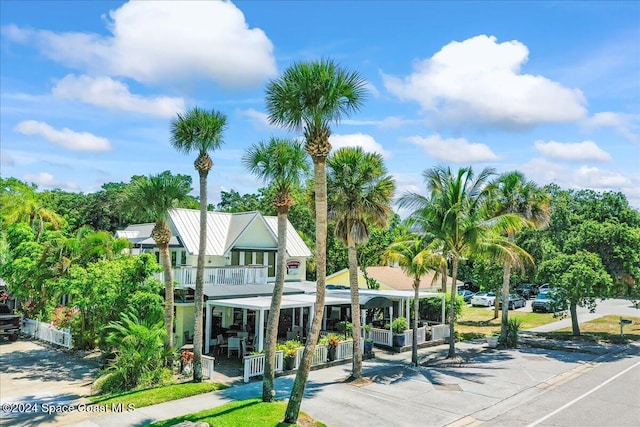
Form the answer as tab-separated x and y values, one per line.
431	308
510	339
399	325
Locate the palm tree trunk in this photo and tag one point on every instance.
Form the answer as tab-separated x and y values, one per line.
274	310
575	326
452	309
168	293
295	399
416	312
199	293
355	310
506	277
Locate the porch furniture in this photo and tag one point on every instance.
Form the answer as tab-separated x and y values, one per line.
233	345
243	348
222	344
187	339
243	335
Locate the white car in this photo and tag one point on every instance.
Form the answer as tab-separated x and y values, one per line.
486	299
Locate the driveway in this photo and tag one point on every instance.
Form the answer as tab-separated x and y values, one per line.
33	374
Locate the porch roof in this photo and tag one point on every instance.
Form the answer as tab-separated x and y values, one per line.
221	292
264	302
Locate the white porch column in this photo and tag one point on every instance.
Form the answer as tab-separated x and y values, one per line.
244	319
256	328
363	318
301	318
391	326
324	318
311	313
207	336
444	297
261	331
293	318
407	307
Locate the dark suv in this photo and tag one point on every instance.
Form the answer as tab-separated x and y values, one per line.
526	291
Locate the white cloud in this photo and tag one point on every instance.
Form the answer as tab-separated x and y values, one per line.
258	118
6	159
453	150
66	138
592	177
165	41
620	122
572	151
46	180
115	95
367	142
479	81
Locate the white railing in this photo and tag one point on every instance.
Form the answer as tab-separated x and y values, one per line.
254	364
422	335
236	275
381	336
47	332
208	366
439	332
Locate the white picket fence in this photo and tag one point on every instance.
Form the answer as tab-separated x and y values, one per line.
254	364
208	366
47	332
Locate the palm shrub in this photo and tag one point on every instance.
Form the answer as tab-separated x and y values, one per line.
140	353
510	339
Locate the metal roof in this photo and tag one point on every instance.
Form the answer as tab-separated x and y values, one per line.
140	235
264	303
223	229
214	292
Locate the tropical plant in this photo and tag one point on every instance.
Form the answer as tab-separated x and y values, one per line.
511	193
200	131
310	96
138	344
283	163
360	195
155	196
455	214
510	339
417	257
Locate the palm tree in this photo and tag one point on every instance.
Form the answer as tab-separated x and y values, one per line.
154	197
360	195
201	131
284	163
455	213
417	256
513	194
309	96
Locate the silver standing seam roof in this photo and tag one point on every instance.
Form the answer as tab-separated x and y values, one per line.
140	235
224	229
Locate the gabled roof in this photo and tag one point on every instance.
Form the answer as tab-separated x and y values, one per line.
224	229
140	235
396	278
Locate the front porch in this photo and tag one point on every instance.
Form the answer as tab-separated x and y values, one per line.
229	275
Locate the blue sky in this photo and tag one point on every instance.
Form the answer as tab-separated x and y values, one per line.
88	89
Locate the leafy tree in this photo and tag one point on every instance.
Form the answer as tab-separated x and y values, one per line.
283	163
232	201
360	194
201	131
578	280
418	256
455	213
310	96
155	196
513	194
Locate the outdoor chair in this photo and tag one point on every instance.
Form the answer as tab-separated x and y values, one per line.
187	339
233	345
221	343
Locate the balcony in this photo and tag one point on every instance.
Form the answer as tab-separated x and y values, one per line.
229	275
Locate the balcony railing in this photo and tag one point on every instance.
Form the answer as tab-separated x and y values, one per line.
229	275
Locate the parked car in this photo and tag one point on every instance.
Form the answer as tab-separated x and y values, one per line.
542	303
526	290
486	299
515	301
542	289
466	295
9	323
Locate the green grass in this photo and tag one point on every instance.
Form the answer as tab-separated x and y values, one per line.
250	412
152	396
478	322
605	328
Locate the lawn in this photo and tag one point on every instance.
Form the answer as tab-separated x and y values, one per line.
477	322
152	396
241	413
605	328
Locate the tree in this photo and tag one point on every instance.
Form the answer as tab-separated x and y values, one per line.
155	196
360	195
201	131
284	163
455	213
513	194
577	279
310	96
417	256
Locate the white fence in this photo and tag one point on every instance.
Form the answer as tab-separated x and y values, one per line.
254	364
385	337
243	275
208	366
47	332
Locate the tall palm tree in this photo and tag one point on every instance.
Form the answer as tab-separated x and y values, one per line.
200	131
360	194
513	194
417	256
154	197
310	96
283	163
455	213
